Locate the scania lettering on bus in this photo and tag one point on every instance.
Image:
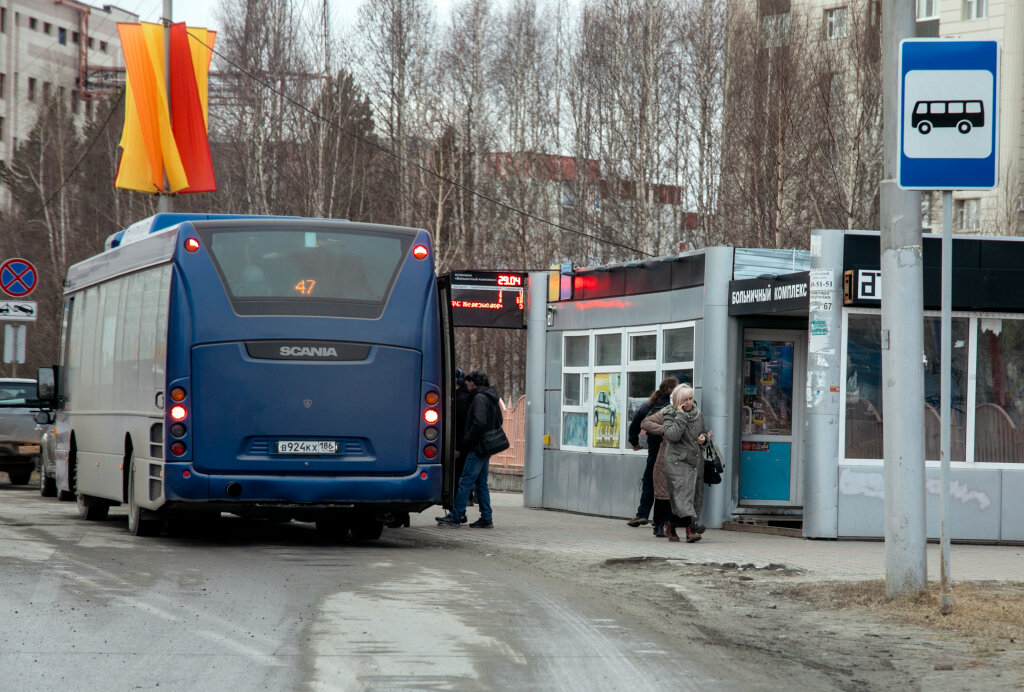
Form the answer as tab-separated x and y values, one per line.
318	351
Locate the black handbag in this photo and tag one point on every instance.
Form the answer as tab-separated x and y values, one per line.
713	467
493	442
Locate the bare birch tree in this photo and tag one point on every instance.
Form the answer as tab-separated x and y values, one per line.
397	36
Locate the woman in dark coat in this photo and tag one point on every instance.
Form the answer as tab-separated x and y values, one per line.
653	425
684	433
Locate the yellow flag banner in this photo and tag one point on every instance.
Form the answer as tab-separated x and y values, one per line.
148	141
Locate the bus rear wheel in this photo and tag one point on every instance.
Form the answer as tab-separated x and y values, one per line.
140	523
367	529
333	528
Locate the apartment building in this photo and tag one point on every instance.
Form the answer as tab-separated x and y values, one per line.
835	43
1001	211
55	49
581	195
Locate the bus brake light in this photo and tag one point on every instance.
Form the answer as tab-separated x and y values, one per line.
178	412
420	252
191	244
430	415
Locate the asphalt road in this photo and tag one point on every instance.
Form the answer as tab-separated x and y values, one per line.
248	605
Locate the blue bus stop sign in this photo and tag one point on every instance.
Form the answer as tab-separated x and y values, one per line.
949	111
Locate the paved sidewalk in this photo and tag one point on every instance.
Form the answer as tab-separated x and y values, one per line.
601	538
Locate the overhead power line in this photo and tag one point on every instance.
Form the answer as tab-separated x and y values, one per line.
99	132
408	162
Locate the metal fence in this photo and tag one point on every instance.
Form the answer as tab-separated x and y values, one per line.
515	431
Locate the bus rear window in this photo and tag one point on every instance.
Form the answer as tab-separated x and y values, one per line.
263	268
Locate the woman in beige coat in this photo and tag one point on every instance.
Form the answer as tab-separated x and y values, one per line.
685	433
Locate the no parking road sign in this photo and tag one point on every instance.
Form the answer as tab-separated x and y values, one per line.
949	111
18	277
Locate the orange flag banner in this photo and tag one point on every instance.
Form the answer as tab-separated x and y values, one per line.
152	143
188	111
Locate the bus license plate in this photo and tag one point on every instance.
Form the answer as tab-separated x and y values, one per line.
307	447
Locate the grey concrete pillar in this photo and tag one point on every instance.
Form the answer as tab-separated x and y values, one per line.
536	336
719	382
821	439
902	264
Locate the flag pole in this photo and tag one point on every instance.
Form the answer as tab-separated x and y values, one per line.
164	198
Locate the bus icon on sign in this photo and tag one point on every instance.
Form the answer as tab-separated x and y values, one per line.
963	115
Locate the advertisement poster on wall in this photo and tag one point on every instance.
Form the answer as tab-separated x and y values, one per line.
607	417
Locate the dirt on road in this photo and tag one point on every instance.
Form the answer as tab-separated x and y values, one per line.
770	624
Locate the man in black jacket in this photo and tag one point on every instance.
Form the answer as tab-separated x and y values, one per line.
484	415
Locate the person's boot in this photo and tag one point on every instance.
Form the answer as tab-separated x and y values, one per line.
637	521
659	530
691	535
670	531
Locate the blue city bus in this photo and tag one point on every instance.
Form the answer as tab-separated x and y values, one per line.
276	367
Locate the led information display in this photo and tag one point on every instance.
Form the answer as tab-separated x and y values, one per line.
488	299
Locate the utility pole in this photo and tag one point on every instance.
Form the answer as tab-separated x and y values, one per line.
902	337
163	203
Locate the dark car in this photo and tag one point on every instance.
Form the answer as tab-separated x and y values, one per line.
20	434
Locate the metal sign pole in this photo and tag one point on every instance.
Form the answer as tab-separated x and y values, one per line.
946	598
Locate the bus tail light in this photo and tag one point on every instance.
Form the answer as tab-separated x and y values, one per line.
178	412
431	398
430	451
420	252
431	415
191	244
177	448
177	394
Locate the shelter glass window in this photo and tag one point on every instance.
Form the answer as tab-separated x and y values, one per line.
678	345
933	388
999	408
572	391
608	349
642	371
605	381
643	347
575	390
577	351
864	386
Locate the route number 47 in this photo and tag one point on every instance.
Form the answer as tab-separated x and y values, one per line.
305	287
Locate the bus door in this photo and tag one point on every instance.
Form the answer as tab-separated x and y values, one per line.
771	437
449	482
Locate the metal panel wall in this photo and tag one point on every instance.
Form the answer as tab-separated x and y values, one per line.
602	484
1013	509
978	510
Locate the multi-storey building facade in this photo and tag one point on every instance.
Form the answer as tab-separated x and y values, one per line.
1001	211
822	113
54	49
